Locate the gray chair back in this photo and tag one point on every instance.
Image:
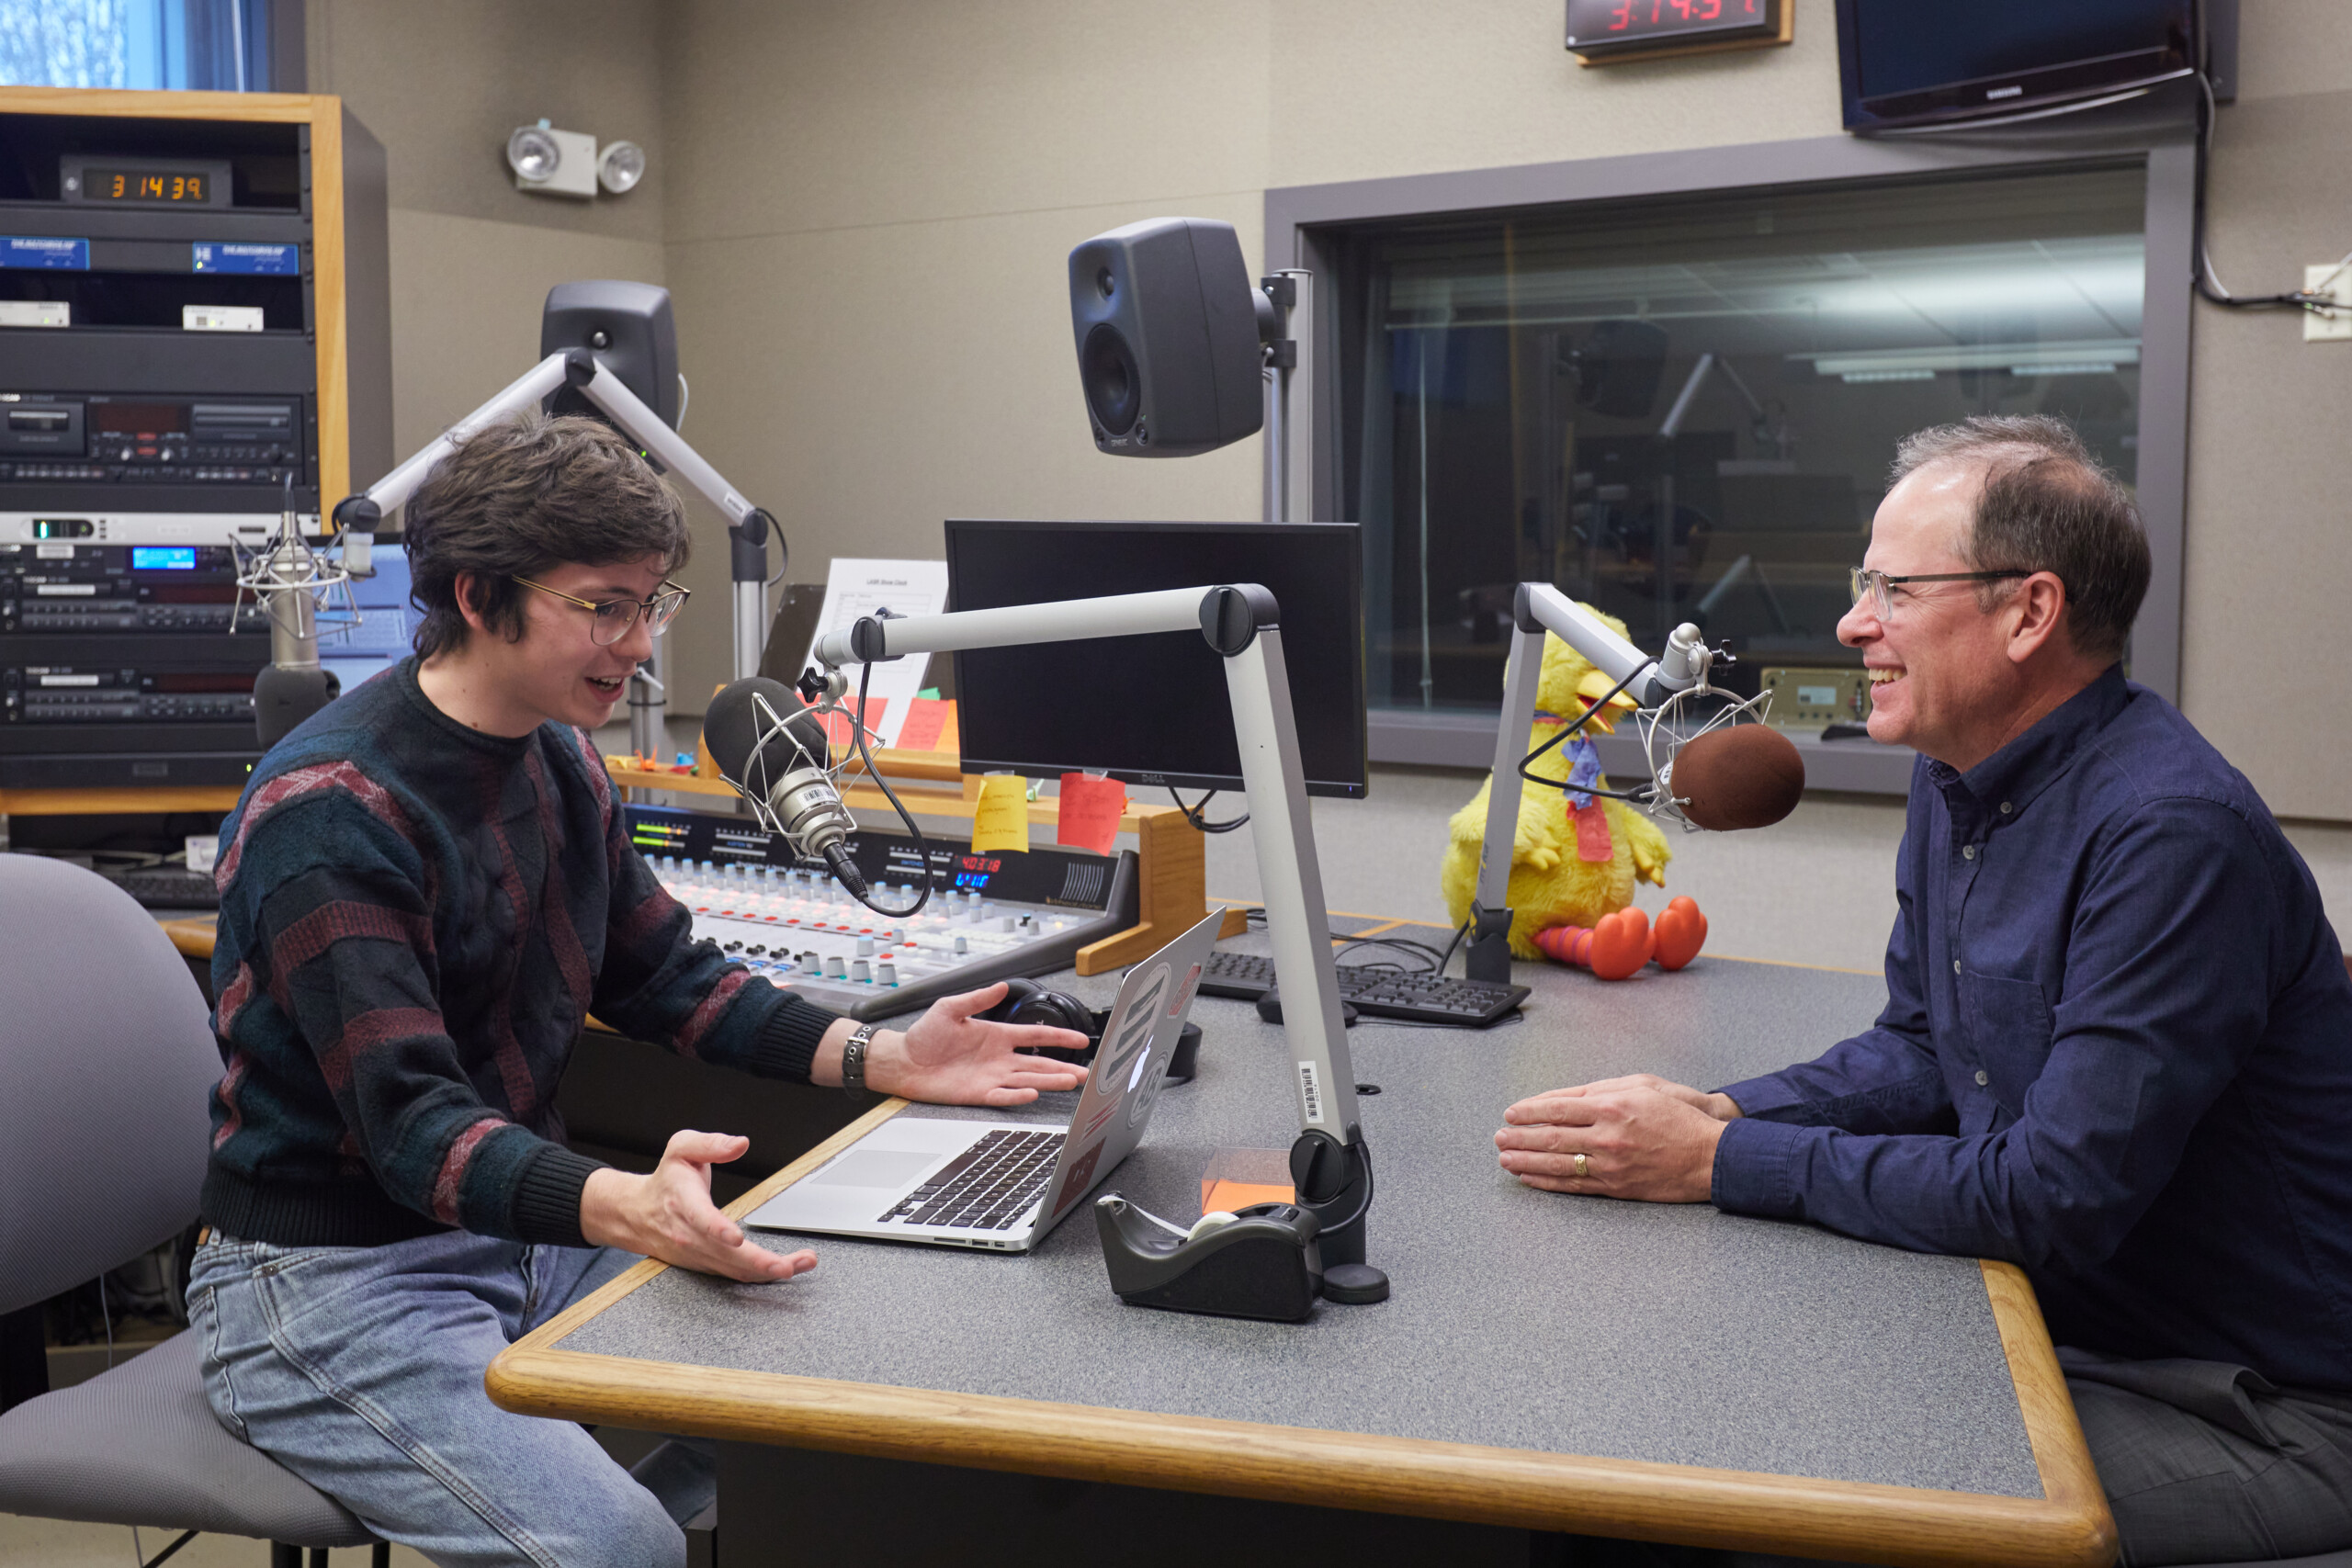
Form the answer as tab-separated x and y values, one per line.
107	1055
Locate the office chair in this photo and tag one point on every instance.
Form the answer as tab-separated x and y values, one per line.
106	1056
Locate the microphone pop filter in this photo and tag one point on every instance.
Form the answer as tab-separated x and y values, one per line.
734	724
1743	775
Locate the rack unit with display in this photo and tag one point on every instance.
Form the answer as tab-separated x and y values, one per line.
195	326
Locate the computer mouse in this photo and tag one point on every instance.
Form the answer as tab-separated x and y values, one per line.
1270	1008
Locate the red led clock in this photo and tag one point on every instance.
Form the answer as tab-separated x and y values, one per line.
1606	31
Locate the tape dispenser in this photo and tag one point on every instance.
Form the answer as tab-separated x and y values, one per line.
1261	1261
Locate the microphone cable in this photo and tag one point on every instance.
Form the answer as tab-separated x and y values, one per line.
1198	815
923	845
1568	729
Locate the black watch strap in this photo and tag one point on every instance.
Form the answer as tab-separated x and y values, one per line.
853	1060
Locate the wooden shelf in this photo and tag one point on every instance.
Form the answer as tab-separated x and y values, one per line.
116	802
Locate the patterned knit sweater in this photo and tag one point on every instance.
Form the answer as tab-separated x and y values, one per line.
415	918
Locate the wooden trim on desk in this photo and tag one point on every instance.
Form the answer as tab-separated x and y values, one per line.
2061	1453
195	935
2067	1527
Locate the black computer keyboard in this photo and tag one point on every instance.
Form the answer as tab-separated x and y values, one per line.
987	1187
167	887
1374	990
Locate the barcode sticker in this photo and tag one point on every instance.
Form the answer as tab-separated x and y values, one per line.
1310	1094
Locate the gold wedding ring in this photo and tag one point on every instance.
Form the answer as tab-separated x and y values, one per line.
1582	1167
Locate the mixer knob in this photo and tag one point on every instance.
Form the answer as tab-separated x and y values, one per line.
888	975
862	972
866	947
1005	924
961	945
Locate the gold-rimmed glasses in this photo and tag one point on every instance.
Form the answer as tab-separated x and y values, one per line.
615	617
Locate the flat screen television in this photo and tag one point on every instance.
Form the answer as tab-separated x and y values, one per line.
1152	710
1919	64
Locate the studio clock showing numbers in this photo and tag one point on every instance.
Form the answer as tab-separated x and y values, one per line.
1603	32
142	182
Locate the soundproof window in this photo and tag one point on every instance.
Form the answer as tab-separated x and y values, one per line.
1684	409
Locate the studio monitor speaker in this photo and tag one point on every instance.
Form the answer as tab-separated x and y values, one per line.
1167	323
627	327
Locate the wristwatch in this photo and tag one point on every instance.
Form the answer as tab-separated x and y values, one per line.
854	1059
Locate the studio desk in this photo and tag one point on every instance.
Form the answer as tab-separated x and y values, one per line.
1546	1363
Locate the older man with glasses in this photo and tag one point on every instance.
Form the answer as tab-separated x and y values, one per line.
2116	1048
424	892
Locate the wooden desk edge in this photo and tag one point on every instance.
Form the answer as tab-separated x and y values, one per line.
2069	1526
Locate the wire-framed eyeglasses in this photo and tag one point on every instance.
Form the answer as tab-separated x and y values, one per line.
615	617
1880	587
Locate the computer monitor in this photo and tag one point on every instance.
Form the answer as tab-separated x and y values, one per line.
381	639
1152	710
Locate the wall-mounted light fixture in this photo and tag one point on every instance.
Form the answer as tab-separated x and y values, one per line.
566	162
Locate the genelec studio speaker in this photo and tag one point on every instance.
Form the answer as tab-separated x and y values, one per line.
627	327
1166	320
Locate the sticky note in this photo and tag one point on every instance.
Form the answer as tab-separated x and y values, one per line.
837	722
951	734
1234	1196
1001	820
1090	808
926	716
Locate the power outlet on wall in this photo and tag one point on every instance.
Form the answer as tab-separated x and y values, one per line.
2334	281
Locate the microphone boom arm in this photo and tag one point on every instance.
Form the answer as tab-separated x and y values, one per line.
748	526
1329	1163
1656	686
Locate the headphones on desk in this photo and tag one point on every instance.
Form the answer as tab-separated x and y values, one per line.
1026	1001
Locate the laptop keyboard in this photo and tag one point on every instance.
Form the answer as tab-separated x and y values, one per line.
987	1188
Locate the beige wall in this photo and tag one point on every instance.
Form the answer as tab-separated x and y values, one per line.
862	209
2269	471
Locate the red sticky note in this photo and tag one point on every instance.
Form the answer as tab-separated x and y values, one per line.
1091	810
837	723
1592	833
926	716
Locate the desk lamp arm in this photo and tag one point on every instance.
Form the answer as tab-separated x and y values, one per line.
748	526
1536	608
1330	1163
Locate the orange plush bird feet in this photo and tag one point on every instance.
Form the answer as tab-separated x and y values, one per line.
1620	943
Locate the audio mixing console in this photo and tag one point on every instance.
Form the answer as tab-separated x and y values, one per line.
782	916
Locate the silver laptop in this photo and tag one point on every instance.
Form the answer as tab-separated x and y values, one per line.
1003	1185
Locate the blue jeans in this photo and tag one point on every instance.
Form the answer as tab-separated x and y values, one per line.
360	1369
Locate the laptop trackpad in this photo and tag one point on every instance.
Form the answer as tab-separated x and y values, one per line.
873	1168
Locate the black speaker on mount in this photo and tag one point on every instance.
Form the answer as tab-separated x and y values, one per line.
1167	323
627	327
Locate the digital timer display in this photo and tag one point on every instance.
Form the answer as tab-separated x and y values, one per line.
146	184
116	180
1600	29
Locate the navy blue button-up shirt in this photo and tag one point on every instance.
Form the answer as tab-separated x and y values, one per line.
2116	1051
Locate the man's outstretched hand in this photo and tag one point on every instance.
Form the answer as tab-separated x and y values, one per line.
953	1057
669	1215
1643	1137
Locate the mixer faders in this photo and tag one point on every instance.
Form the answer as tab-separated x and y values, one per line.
989	916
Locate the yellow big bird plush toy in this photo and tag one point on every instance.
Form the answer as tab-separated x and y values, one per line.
1569	866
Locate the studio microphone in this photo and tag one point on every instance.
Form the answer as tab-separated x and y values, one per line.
773	749
286	579
1738	775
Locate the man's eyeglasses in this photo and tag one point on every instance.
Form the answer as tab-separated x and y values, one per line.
615	617
1880	587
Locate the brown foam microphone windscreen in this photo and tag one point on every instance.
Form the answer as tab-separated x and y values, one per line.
1744	776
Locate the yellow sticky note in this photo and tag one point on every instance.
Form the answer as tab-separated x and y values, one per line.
1001	821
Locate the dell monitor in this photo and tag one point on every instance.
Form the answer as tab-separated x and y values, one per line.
1152	710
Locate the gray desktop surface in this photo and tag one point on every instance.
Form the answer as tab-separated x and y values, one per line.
1519	1319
